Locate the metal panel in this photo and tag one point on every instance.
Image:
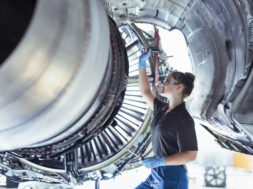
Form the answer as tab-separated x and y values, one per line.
163	12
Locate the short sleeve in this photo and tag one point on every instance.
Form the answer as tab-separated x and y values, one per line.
158	106
186	137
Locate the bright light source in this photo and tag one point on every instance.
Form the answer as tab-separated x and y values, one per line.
173	43
2	180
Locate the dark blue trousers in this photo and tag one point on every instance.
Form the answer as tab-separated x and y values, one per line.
166	177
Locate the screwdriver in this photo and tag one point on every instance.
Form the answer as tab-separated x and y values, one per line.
139	157
153	49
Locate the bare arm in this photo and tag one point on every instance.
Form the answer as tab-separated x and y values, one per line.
145	88
181	158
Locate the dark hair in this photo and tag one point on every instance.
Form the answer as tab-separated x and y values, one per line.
187	79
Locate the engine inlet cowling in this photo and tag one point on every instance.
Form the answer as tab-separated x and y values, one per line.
64	79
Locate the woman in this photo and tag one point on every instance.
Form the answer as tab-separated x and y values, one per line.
174	140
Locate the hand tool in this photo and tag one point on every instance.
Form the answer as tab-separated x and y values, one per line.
139	157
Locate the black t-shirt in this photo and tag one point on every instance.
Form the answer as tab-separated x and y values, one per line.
172	132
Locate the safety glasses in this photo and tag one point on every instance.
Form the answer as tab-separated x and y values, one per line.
170	80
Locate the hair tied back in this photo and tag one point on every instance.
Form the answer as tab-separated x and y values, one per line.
190	77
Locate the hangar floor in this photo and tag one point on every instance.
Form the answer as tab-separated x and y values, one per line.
236	179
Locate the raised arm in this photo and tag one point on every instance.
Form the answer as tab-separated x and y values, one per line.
143	80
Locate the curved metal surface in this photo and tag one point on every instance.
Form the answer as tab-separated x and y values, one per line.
165	13
131	121
219	39
107	151
52	77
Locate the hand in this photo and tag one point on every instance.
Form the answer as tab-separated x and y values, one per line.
153	162
143	58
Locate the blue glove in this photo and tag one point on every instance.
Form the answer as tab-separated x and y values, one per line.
143	58
153	162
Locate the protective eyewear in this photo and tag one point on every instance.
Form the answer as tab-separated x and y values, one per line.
170	80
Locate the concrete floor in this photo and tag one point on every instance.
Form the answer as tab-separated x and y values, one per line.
236	179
